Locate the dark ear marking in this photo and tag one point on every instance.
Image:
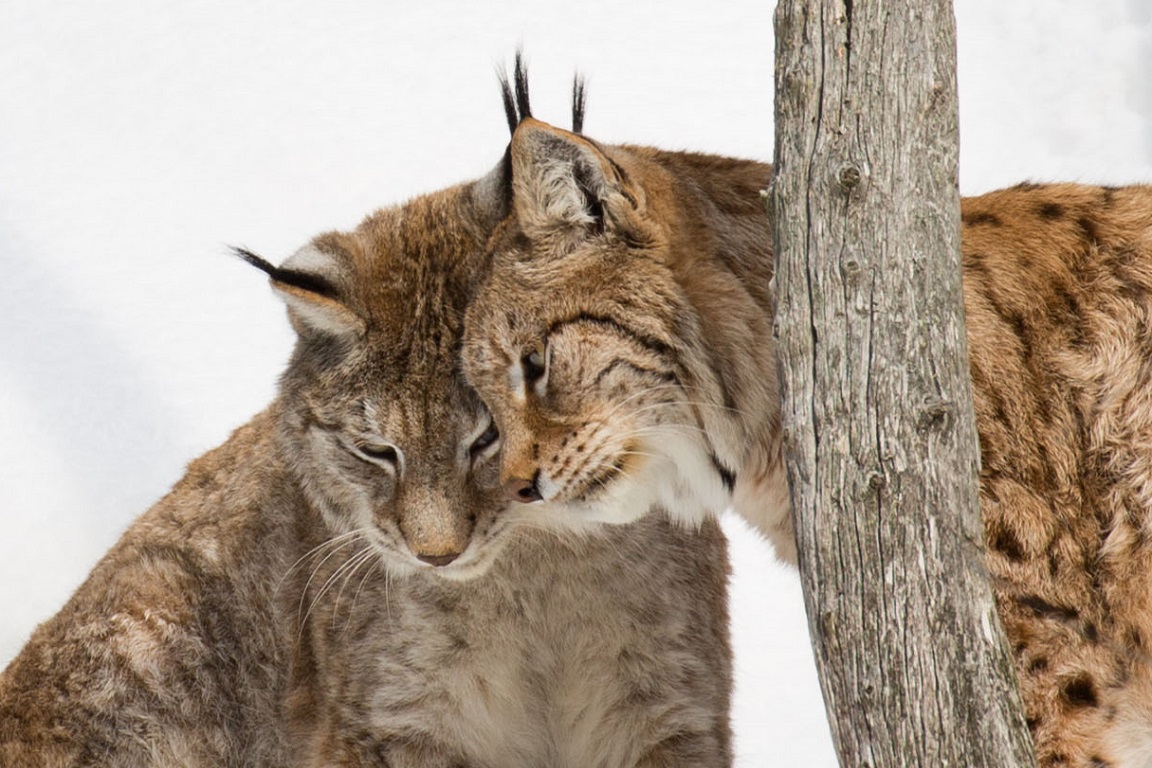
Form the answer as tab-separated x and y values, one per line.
506	178
521	77
592	203
254	260
301	280
727	476
579	100
509	103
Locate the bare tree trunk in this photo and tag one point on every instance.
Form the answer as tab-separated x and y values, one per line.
878	422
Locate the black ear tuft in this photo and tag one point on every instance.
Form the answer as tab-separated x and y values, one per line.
254	260
579	99
302	280
509	104
521	75
517	105
515	94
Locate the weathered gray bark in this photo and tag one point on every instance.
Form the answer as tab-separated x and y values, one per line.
883	459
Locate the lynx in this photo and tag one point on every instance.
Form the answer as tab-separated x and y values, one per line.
342	582
623	343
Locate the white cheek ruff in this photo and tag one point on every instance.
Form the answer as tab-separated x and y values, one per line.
691	489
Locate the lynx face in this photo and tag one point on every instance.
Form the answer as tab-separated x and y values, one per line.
591	409
391	444
587	346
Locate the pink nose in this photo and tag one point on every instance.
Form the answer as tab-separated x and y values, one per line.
519	489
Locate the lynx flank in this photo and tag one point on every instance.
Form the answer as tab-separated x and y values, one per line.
324	589
623	343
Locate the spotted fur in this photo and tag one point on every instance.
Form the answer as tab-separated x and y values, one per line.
623	342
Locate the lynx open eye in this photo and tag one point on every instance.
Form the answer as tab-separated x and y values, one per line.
535	365
378	453
486	439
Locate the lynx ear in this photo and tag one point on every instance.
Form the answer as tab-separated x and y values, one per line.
308	284
562	181
491	195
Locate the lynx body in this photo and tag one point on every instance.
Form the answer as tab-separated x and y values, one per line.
342	584
623	342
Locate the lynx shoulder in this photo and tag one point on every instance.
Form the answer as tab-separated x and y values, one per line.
623	342
343	583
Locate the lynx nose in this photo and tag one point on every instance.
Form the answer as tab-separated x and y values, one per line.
519	489
438	560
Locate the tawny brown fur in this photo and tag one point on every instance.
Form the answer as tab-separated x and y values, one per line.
639	278
279	607
659	320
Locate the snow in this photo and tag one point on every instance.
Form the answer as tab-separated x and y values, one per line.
138	139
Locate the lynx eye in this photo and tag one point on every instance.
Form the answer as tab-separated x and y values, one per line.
486	439
535	365
378	453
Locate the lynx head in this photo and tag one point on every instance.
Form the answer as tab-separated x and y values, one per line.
387	440
585	345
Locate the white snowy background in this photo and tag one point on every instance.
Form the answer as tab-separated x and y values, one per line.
138	139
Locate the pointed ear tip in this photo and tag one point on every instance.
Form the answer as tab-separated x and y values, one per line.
524	128
530	132
530	125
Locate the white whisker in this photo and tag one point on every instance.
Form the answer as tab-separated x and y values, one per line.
332	578
358	559
302	614
340	540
